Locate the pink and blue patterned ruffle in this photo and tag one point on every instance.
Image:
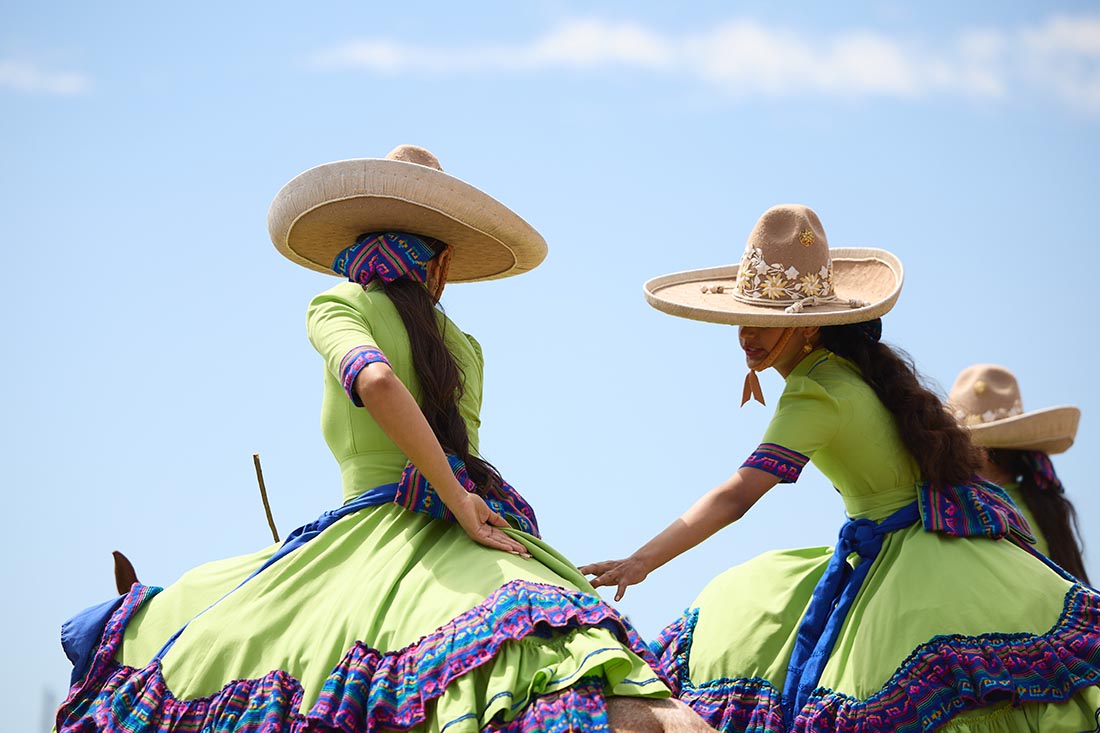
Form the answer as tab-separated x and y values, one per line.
368	689
782	462
727	704
942	678
581	707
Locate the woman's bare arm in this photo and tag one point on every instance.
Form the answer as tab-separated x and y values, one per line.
395	410
719	507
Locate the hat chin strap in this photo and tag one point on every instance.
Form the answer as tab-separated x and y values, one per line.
752	382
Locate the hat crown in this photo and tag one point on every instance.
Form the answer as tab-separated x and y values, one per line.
984	393
786	258
414	154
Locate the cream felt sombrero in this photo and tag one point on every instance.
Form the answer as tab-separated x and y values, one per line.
788	276
323	210
986	400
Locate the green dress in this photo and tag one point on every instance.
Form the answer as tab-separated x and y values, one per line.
387	619
951	633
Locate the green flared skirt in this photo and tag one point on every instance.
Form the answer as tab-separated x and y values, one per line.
388	619
961	634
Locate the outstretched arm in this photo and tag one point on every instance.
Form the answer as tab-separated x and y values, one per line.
395	410
722	505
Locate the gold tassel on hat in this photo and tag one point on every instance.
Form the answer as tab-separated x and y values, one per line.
752	382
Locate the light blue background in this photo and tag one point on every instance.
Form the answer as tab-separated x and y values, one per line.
155	339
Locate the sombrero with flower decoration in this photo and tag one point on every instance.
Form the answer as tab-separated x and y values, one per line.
986	400
322	211
788	276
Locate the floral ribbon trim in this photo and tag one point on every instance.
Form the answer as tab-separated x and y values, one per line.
368	689
990	415
353	363
758	280
942	678
416	494
778	461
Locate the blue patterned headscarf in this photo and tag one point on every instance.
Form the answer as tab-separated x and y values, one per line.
384	256
871	329
1042	471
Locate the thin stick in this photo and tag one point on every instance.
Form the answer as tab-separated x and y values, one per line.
263	495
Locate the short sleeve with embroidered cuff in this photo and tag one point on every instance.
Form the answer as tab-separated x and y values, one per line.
341	334
806	419
353	363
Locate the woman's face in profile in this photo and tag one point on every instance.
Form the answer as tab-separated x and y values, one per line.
758	342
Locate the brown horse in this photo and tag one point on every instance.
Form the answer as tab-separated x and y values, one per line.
625	714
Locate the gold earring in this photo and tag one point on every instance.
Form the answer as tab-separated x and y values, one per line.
807	347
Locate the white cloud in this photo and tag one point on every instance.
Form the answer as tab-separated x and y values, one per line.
747	58
1059	57
577	45
1063	56
592	43
21	76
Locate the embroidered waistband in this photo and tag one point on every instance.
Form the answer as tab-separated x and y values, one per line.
416	494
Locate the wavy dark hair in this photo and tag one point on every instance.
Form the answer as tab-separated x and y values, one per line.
942	449
441	380
1053	512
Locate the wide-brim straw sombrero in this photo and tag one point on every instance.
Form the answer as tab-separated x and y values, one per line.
1050	430
322	211
986	401
788	250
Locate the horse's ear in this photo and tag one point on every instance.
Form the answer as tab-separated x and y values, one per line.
124	573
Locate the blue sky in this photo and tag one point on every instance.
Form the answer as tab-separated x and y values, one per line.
156	338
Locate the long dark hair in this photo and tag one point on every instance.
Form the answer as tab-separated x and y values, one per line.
942	449
441	380
1053	512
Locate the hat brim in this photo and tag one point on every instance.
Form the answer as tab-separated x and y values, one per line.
859	273
1050	430
323	210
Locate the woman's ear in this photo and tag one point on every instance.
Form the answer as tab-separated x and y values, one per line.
439	267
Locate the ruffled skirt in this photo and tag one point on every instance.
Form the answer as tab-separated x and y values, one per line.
388	620
971	635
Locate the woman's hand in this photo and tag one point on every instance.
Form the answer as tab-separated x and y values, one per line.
622	573
482	524
720	506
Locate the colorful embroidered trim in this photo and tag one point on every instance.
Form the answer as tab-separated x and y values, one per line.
416	494
743	704
952	674
582	707
1042	471
385	256
778	461
352	363
974	509
942	678
368	689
